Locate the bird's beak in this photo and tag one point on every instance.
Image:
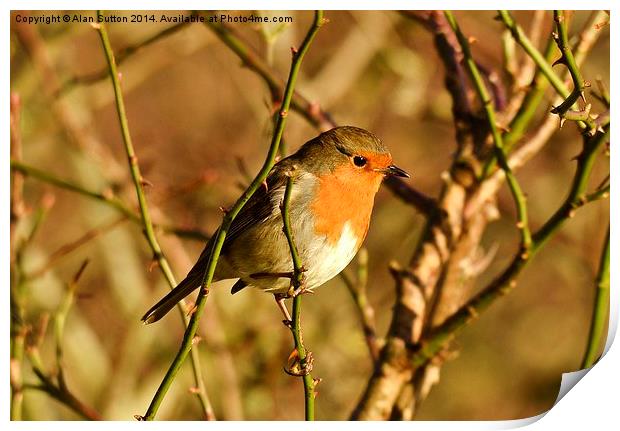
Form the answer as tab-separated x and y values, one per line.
395	171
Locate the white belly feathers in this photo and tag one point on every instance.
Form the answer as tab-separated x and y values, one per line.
323	259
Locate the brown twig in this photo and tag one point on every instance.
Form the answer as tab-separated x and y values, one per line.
56	386
122	55
357	289
71	246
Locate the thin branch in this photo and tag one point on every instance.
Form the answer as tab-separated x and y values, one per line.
515	189
218	240
544	67
579	85
122	55
106	197
149	231
423	203
71	246
298	281
59	322
56	386
18	329
522	119
311	111
17	179
601	305
438	337
63	395
366	312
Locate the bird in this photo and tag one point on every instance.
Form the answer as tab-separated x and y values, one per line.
335	177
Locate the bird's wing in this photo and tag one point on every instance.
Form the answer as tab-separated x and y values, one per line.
258	209
261	206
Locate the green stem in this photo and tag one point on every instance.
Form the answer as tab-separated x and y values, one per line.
149	231
254	62
18	338
298	282
535	95
601	306
543	65
568	59
218	242
487	102
437	338
522	39
531	102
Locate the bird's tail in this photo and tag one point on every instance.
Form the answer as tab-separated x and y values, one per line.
184	288
167	303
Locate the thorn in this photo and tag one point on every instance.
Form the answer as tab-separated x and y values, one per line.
153	264
108	194
472	312
120	76
191	309
145	183
503	128
136	417
472	40
197	339
562	121
520	225
582	94
194	390
48	200
524	256
97	26
600	25
314	108
293	356
283	114
294	51
513	283
265	185
571	213
224	210
558	61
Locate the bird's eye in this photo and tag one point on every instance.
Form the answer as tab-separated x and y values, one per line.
359	161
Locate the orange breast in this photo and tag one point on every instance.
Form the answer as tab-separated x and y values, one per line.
346	195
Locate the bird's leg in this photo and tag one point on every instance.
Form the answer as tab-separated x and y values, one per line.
288	320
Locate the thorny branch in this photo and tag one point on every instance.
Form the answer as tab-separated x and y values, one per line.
302	356
220	236
145	216
404	360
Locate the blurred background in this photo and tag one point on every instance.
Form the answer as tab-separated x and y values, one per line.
199	122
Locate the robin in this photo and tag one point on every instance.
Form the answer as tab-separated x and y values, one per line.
335	177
